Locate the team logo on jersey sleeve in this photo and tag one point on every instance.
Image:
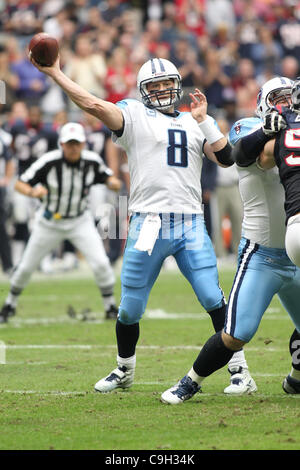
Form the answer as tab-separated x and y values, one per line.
237	128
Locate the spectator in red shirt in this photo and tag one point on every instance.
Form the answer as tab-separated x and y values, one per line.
191	14
119	78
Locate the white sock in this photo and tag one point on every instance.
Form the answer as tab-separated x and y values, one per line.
17	251
128	362
237	360
195	377
108	301
12	299
295	374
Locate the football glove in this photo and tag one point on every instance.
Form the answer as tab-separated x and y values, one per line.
273	122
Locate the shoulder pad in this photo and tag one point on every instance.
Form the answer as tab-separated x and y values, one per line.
242	128
126	102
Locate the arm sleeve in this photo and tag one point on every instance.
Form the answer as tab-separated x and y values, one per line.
248	148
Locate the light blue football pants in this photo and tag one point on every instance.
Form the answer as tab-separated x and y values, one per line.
183	236
262	272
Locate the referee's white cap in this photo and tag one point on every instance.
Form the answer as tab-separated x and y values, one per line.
72	131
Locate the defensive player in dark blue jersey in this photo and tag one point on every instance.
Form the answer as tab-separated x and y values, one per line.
284	151
31	138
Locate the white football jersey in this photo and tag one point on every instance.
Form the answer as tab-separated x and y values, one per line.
164	157
262	195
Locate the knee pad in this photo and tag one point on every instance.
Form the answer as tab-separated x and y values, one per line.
131	310
209	301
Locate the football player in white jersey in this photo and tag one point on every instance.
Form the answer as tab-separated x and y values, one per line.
165	150
264	268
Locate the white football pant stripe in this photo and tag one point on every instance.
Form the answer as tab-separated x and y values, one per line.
231	311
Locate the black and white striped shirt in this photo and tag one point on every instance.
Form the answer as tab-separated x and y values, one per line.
68	184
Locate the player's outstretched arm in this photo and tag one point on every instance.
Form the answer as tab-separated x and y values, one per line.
266	160
107	112
25	188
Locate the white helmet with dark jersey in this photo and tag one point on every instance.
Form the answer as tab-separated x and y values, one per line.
155	70
296	96
273	92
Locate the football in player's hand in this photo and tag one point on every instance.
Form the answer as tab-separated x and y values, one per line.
43	49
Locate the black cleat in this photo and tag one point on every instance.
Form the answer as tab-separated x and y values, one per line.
291	385
6	312
111	313
182	391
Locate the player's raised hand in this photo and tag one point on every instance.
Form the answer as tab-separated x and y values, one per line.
198	105
47	70
273	122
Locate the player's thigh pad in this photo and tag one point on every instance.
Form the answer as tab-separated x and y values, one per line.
139	272
255	283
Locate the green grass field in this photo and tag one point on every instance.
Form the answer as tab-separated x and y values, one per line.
53	362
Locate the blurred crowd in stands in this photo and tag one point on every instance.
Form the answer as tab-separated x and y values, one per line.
227	48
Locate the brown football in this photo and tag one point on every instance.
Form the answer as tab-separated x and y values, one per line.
44	49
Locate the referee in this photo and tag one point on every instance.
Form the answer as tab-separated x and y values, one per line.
62	179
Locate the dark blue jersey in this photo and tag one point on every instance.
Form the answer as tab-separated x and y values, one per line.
29	143
287	157
96	140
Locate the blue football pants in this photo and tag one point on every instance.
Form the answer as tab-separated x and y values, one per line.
262	272
184	237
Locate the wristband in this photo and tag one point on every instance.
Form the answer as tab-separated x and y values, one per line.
210	130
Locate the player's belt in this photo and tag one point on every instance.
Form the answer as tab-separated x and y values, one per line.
57	216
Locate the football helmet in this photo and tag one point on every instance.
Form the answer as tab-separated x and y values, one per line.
155	70
272	92
296	96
